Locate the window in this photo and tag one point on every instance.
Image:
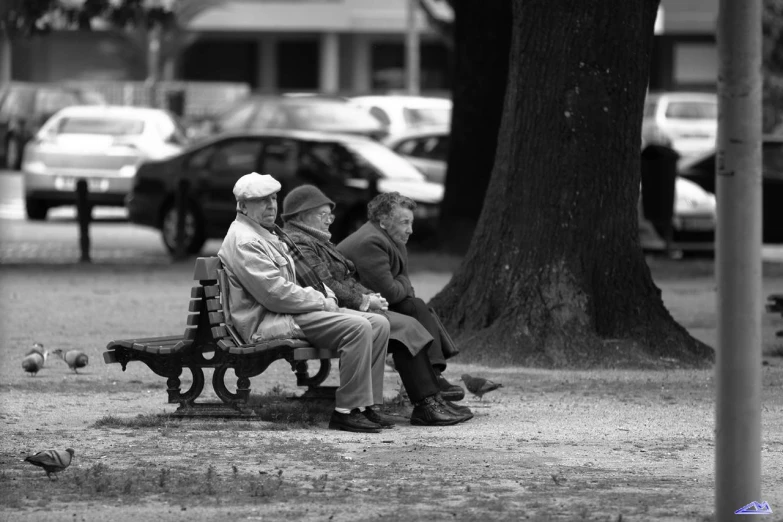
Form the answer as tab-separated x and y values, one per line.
407	147
102	126
279	157
423	116
692	110
236	157
200	159
236	118
381	115
772	158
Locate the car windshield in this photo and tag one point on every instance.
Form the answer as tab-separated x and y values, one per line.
387	162
692	110
103	126
421	116
330	115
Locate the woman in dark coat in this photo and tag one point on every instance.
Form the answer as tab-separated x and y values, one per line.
307	213
378	251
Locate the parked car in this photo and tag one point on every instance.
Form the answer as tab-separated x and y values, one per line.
427	149
102	144
701	170
400	114
348	168
24	107
684	121
311	112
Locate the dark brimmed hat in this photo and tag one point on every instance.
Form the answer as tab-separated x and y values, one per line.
304	197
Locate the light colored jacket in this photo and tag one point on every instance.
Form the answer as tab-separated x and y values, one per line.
263	293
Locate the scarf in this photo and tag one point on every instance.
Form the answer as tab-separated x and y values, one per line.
318	234
305	275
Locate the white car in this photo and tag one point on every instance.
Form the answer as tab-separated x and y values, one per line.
401	114
685	121
427	149
104	145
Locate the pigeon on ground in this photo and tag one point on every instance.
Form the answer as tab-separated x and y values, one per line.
478	386
73	358
35	359
52	461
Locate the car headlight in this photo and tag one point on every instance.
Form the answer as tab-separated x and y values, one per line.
34	167
128	171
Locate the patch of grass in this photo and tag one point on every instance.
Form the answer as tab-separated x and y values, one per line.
140	421
273	407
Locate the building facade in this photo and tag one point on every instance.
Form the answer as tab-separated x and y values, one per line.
334	46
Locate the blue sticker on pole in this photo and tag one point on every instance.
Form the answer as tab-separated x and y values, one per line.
755	508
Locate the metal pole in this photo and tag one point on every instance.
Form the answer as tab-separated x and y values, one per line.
84	215
738	259
412	66
181	202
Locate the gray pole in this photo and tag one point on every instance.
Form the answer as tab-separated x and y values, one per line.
738	259
412	51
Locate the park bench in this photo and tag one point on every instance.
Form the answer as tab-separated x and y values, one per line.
210	341
774	305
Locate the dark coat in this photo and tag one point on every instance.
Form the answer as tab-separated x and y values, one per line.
381	262
339	274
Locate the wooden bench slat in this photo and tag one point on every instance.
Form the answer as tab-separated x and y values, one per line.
194	305
219	332
197	292
311	352
214	305
226	344
193	320
216	318
211	291
190	334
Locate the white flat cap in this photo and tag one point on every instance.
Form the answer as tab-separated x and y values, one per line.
255	186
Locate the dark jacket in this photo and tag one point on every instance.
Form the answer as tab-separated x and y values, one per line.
381	262
332	267
338	273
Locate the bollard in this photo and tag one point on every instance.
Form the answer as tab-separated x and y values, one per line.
181	205
84	215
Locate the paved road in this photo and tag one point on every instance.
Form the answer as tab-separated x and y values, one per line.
56	240
113	239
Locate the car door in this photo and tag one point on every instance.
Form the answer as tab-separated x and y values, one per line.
216	169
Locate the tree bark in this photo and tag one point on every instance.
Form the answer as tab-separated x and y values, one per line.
482	39
555	276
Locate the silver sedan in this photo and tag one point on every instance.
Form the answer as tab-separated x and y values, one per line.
102	145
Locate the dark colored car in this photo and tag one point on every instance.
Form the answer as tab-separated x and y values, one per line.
701	170
25	107
319	113
349	169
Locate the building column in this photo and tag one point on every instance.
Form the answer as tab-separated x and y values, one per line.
267	64
362	64
329	77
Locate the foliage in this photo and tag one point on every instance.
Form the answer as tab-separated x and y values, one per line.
772	59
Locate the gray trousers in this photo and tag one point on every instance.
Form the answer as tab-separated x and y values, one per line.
361	340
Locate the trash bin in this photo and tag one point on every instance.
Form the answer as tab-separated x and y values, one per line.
175	102
659	174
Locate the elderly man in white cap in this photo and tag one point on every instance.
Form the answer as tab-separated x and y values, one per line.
266	303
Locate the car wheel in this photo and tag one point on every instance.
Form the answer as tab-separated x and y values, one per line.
194	231
13	153
36	209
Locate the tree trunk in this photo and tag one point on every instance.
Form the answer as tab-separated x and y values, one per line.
555	276
482	39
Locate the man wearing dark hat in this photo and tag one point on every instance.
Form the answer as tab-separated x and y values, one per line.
307	213
266	303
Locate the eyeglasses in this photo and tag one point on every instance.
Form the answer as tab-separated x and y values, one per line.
325	216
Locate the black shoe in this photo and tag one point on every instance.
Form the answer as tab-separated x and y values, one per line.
450	392
373	416
429	412
353	421
454	408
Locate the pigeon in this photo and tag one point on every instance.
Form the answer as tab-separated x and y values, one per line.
73	358
35	359
52	461
478	386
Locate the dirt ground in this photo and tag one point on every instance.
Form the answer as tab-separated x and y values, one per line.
549	445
